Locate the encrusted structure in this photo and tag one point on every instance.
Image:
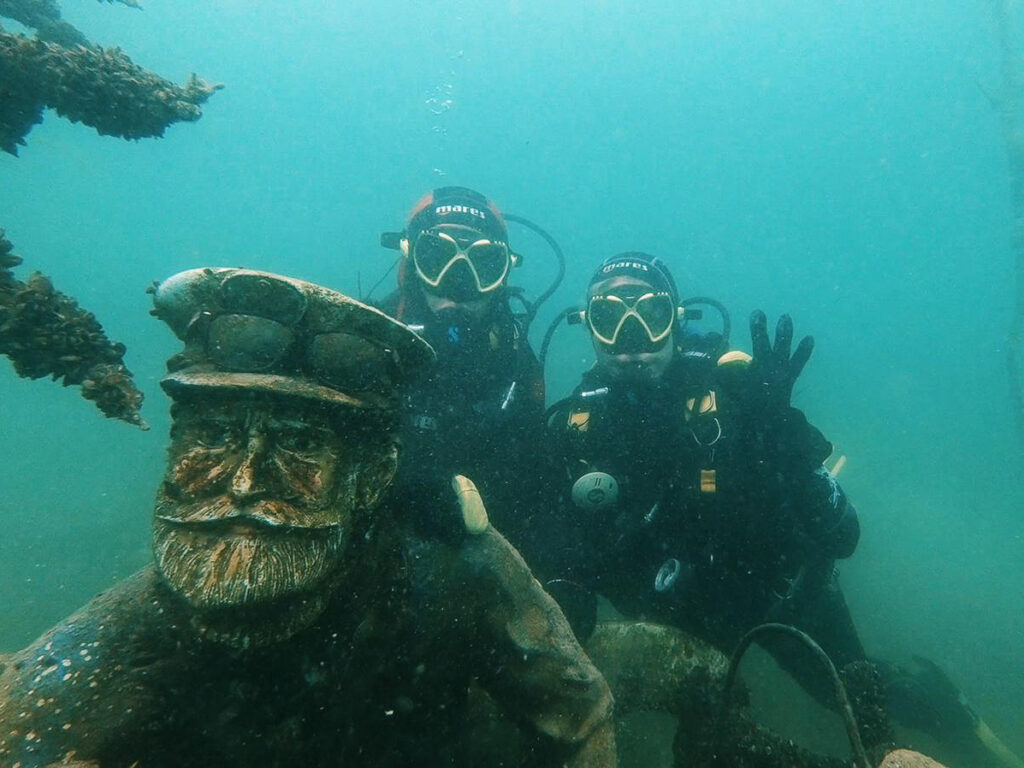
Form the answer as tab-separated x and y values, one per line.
101	87
46	333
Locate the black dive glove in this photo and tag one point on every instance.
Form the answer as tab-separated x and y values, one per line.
774	370
791	447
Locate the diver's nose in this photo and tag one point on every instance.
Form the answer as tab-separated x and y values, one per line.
460	283
246	482
633	337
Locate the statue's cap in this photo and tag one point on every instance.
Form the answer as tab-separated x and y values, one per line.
255	331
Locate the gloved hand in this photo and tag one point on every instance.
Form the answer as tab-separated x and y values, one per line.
773	370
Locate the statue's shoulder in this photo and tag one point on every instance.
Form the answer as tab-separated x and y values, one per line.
92	674
133	617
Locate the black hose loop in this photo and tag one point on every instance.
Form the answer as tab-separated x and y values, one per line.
556	249
719	307
550	333
842	700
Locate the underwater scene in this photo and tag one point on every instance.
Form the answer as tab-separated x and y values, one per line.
491	438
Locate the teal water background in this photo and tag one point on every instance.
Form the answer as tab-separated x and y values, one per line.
835	161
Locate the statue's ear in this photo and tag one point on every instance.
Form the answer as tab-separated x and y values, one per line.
376	477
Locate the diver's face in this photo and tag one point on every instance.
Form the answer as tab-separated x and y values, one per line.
260	499
641	362
457	294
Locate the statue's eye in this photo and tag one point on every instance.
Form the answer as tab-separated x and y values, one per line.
299	440
213	434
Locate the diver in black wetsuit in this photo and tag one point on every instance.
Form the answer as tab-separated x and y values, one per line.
480	414
690	492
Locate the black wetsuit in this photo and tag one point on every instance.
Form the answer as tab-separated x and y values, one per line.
479	414
725	516
726	519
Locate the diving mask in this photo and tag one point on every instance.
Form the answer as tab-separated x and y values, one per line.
654	313
436	253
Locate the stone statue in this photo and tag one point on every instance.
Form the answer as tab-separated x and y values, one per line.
289	620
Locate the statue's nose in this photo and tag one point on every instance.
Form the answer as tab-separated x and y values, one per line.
247	480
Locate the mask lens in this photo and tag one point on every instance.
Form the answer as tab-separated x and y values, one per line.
351	363
432	253
604	315
491	261
246	343
659	312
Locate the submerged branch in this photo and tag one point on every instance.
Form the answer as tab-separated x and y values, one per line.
45	333
60	69
100	87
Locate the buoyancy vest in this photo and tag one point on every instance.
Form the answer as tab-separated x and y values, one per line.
699	500
479	413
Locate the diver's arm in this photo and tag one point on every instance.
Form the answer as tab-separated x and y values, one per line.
829	519
793	447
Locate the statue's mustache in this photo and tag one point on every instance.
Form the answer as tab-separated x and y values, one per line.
273	513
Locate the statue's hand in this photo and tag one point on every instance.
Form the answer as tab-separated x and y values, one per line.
774	369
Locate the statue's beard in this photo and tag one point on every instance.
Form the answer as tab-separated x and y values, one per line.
216	555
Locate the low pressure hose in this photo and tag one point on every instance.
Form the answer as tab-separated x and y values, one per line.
842	700
542	356
719	307
555	248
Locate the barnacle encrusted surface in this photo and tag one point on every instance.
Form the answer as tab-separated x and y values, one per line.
45	333
100	87
44	17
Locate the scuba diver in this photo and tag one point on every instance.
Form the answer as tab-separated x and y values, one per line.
480	413
690	492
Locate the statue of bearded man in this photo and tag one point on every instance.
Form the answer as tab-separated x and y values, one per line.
290	620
